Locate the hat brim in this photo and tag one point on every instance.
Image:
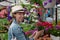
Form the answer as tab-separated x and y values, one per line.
20	11
16	12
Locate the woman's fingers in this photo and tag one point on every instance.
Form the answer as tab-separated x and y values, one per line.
39	32
32	35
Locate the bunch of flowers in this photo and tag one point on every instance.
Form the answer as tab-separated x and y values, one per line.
49	29
44	25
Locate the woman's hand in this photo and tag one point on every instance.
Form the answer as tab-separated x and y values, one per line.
32	35
37	34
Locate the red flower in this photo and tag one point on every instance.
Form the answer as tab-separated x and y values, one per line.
45	25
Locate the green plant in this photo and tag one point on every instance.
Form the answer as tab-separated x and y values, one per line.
37	1
4	36
55	32
3	22
27	27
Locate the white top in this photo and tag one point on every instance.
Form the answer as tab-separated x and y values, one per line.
49	19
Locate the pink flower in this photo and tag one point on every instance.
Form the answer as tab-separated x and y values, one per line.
27	33
58	27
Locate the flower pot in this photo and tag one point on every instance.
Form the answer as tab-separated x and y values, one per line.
54	37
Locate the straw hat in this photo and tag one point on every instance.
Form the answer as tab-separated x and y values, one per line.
16	8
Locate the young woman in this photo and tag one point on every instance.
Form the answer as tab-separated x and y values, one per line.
15	31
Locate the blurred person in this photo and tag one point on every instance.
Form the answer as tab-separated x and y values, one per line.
15	31
49	19
3	12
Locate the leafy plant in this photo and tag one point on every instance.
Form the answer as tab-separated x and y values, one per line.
55	32
37	1
27	27
4	36
3	22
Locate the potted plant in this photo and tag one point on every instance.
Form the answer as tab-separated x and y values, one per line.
41	25
55	33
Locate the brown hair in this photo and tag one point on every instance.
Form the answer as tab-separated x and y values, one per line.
13	15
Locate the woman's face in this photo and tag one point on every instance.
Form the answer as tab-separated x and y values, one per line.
19	16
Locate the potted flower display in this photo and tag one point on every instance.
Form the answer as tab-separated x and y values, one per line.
41	25
55	33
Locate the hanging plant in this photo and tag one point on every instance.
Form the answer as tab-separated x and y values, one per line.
37	2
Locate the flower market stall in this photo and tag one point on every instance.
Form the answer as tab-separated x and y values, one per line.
34	20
